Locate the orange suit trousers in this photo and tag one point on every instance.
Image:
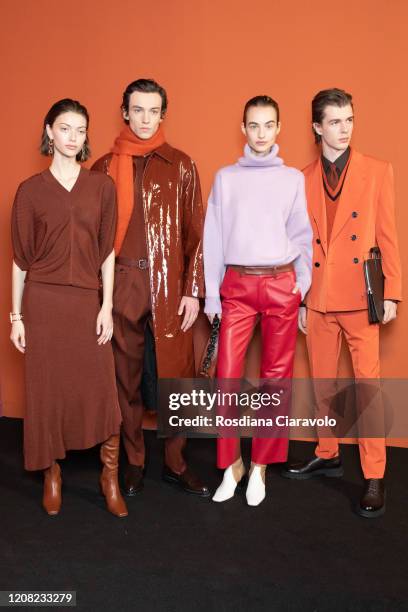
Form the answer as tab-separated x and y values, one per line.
324	337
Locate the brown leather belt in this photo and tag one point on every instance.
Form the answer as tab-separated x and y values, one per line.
142	264
268	270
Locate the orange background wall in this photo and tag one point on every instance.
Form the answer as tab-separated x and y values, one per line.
211	56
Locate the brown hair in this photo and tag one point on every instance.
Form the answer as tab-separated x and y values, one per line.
261	101
65	106
145	86
328	97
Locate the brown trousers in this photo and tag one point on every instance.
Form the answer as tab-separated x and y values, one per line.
324	336
131	314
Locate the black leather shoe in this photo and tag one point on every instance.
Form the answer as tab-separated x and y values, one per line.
188	481
314	467
133	480
372	504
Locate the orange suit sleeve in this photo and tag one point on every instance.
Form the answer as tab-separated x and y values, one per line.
386	236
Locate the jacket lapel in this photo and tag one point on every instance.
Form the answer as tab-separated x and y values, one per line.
352	190
316	201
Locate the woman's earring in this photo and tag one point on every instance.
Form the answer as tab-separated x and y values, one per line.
50	147
83	154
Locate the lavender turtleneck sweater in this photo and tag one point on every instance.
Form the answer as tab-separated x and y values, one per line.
256	216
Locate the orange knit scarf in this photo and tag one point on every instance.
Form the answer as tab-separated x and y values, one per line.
121	170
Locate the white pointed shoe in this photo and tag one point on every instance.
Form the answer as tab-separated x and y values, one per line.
226	490
255	493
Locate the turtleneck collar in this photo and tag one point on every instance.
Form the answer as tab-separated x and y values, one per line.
250	159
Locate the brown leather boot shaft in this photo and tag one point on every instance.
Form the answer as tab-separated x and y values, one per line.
52	498
109	477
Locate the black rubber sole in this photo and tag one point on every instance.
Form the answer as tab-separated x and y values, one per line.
329	473
175	482
134	492
53	515
371	514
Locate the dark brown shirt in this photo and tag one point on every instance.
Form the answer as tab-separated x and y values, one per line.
63	237
340	162
134	244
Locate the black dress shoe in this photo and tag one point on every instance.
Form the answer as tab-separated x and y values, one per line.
133	480
188	481
314	467
372	504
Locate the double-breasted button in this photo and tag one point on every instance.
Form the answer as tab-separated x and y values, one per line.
317	264
354	237
354	214
355	260
317	240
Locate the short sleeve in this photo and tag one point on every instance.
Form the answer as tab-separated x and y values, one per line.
109	216
23	230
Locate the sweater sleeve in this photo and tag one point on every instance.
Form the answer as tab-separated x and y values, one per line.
300	234
23	230
107	227
214	267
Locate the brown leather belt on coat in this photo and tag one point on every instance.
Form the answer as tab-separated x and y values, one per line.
142	264
268	270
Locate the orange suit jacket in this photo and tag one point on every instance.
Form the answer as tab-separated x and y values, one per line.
365	218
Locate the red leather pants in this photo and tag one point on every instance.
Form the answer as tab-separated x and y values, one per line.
245	298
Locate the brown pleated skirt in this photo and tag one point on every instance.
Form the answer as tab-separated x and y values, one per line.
70	380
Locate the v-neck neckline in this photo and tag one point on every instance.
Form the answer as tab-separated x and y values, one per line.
54	179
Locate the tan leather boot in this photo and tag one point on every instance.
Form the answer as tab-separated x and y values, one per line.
109	477
52	498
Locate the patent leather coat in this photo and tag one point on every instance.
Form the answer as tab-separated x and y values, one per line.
173	213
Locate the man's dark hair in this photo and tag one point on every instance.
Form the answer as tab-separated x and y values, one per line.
328	97
261	101
145	86
65	106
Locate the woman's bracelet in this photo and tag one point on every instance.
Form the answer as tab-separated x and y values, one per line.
15	316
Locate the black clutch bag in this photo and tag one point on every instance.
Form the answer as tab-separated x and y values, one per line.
374	280
208	364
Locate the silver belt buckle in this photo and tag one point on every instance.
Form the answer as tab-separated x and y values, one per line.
143	264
